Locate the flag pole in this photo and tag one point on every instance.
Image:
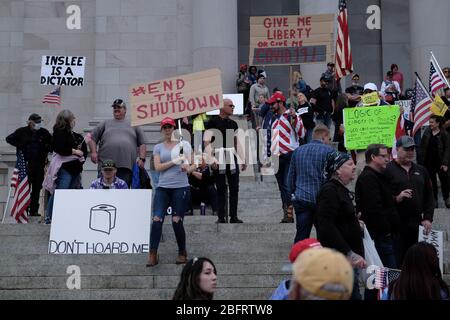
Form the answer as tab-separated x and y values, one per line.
439	67
6	204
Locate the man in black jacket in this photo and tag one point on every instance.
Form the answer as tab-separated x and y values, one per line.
375	203
35	143
412	191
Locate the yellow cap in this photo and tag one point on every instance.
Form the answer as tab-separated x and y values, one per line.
324	273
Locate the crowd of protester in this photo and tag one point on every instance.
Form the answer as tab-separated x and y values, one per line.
392	198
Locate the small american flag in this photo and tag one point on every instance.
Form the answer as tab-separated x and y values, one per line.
19	182
344	63
384	276
421	104
53	97
436	78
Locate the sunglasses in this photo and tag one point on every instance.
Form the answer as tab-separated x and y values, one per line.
168	126
108	169
410	148
232	106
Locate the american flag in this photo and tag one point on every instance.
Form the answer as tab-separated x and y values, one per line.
384	276
399	131
421	104
53	97
436	79
19	182
344	63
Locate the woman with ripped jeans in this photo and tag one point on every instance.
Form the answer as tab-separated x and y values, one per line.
174	162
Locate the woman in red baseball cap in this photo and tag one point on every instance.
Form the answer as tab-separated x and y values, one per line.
174	162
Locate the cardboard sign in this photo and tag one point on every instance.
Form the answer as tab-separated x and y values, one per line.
436	238
100	222
176	97
62	71
368	125
290	40
238	102
370	99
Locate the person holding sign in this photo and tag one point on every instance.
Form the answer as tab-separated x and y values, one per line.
119	141
434	154
173	160
412	193
109	180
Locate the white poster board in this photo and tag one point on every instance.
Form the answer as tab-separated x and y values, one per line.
436	238
238	101
100	222
62	71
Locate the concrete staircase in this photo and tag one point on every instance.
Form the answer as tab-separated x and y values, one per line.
250	257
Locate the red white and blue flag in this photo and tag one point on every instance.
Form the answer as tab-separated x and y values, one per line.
19	181
421	104
436	78
53	97
344	63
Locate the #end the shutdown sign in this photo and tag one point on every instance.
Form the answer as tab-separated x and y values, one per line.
176	97
100	222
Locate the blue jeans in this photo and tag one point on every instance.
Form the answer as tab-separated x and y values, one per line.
309	133
356	294
324	119
282	178
179	199
64	180
386	251
304	213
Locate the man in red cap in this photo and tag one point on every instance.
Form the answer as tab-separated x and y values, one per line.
287	129
282	292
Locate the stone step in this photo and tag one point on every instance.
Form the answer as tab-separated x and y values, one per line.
167	255
139	269
132	294
136	282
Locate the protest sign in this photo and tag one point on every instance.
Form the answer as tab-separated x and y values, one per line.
176	97
368	125
100	222
290	40
436	238
62	71
370	99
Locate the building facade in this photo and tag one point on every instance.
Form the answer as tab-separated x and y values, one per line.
129	41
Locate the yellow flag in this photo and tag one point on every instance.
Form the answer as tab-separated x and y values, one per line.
438	107
198	122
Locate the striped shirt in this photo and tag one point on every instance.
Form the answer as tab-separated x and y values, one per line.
286	131
306	170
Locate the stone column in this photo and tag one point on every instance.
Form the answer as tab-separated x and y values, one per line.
215	39
426	37
312	72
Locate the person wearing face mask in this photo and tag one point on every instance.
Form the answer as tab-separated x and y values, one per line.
35	143
69	155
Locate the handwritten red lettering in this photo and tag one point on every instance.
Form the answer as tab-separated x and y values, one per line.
153	87
141	109
137	92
